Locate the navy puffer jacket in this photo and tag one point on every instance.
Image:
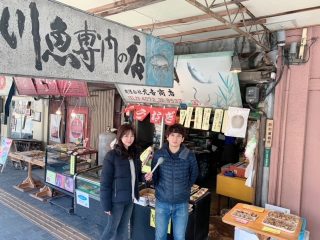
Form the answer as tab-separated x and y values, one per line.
115	185
173	179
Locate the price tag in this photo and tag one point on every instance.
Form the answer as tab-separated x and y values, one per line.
72	164
271	230
153	220
240	220
253	208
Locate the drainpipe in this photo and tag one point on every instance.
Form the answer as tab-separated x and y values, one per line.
267	152
259	180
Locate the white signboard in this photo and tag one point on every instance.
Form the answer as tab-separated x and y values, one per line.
82	198
237	122
46	39
203	80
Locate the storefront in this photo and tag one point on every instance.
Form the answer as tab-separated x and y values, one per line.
227	129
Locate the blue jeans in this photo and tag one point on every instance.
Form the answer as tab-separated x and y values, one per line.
179	215
117	226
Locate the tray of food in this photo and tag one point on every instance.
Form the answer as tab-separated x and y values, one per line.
194	189
280	224
198	194
246	215
285	217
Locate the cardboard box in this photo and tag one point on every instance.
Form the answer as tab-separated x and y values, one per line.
234	187
239	169
225	168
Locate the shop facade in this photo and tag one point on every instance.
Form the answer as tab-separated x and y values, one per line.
295	149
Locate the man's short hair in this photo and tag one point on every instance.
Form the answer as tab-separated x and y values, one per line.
176	128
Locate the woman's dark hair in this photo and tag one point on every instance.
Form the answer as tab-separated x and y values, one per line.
119	147
176	128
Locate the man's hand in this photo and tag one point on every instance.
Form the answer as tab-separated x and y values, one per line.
108	213
148	176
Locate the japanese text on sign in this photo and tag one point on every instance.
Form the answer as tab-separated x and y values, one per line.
50	43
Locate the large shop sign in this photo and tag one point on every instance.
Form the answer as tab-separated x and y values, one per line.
202	80
46	39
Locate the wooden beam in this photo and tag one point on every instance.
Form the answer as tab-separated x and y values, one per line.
216	38
228	24
227	3
121	6
253	17
211	29
187	20
288	12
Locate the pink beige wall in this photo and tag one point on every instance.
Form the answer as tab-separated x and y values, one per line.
295	158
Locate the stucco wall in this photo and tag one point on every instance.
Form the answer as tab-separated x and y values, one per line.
294	166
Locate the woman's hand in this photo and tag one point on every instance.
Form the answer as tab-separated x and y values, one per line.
108	213
148	176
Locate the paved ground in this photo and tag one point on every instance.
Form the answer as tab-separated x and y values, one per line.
15	226
25	218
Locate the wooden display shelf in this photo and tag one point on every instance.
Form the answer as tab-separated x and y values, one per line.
29	183
257	225
44	194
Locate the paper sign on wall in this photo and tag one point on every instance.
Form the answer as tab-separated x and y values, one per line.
217	120
206	119
225	121
198	118
183	114
153	220
188	117
237	122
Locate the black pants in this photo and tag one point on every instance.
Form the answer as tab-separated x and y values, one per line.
117	226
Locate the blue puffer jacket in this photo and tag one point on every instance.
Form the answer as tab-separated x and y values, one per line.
115	185
174	177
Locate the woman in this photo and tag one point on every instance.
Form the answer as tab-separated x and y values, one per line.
121	172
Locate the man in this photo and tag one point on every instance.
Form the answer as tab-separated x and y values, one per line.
173	180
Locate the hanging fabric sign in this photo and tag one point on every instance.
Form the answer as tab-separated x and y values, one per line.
169	115
129	109
156	115
141	112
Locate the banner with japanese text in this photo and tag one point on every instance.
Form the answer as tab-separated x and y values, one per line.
141	112
203	80
47	39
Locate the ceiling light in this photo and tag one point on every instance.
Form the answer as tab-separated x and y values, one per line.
58	112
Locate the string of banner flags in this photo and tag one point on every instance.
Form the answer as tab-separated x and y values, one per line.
231	122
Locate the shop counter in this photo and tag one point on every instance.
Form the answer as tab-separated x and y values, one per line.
198	222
